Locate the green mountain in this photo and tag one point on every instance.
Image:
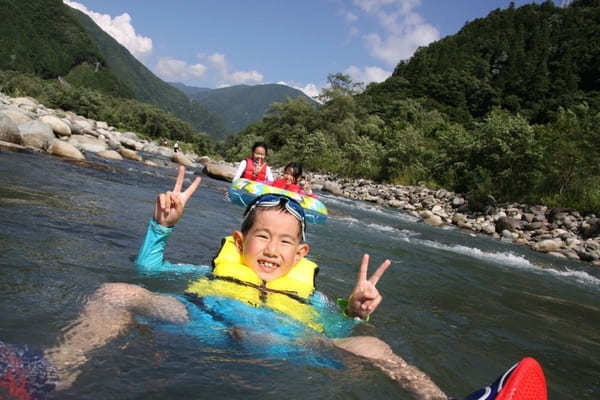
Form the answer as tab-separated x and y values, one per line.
48	39
241	105
529	60
149	88
44	39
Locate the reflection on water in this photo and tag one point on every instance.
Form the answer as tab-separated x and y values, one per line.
461	307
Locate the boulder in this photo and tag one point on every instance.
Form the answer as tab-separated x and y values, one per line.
203	160
11	146
590	228
507	223
88	143
58	126
153	148
548	245
110	154
221	171
36	134
333	188
26	102
64	149
434	220
16	115
9	131
129	154
179	158
130	136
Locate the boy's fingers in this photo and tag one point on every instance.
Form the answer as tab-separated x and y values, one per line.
191	189
364	266
161	201
379	272
179	181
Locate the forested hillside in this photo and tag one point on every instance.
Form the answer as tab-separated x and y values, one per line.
531	61
506	109
51	40
43	38
149	88
241	105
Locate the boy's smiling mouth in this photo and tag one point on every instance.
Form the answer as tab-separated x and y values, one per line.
267	265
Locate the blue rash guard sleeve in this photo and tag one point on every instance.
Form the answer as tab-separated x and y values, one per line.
150	259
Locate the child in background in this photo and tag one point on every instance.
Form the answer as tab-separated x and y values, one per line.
292	175
255	168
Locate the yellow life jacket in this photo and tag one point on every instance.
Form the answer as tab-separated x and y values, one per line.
288	294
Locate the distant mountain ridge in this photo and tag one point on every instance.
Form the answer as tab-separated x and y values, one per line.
241	105
50	39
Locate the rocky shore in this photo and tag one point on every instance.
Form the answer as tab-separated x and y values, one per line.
27	125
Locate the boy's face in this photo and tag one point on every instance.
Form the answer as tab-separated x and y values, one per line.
272	245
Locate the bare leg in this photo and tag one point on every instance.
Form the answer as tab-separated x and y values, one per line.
108	313
381	355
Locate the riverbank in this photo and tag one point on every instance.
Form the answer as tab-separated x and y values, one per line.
26	125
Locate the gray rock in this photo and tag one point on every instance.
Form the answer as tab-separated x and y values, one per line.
129	154
179	158
9	131
64	149
590	228
548	245
508	223
58	126
110	154
220	171
36	134
332	188
88	143
16	115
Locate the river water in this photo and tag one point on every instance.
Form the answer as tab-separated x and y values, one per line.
461	307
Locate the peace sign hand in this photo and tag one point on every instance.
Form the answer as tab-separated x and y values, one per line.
168	207
365	297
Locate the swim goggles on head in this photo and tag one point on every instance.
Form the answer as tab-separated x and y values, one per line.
274	200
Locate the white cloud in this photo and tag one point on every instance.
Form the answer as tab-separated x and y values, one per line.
176	70
350	17
120	29
367	74
311	90
404	29
228	77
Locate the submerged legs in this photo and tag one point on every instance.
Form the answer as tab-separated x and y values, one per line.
381	355
107	314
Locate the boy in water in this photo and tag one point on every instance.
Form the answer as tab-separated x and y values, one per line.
270	244
268	250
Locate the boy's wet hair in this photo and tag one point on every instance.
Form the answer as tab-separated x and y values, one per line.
249	219
297	168
248	222
260	144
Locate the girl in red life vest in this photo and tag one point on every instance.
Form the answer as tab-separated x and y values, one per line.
255	168
290	180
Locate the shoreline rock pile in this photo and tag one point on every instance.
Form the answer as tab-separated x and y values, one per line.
25	124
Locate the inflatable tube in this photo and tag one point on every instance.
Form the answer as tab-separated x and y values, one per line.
243	191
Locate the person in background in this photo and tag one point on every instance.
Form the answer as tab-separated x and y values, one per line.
176	147
289	181
292	180
255	168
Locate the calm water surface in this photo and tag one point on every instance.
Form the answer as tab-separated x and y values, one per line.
463	308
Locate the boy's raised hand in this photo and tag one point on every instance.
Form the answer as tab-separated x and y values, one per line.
365	297
169	206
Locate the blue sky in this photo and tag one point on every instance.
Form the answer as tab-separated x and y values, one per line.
217	43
